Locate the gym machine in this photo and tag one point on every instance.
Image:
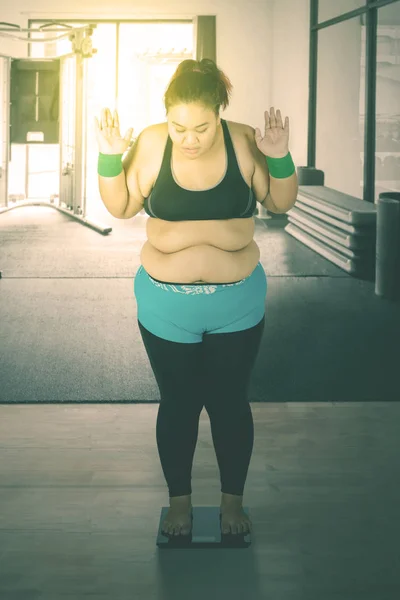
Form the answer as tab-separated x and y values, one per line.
42	102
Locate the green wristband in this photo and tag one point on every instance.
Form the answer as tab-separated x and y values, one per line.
109	165
280	168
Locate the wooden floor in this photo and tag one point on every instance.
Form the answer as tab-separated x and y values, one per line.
81	489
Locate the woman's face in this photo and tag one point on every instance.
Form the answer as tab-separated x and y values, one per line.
192	126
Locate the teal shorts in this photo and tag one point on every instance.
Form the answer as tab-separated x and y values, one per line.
184	312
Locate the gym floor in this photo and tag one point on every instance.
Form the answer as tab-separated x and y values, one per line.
81	486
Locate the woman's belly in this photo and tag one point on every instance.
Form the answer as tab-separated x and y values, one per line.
199	264
200	251
173	236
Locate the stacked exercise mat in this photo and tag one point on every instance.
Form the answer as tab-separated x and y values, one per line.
339	227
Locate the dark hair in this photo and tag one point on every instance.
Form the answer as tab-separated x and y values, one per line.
199	81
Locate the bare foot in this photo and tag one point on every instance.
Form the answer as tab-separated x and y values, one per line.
234	520
178	520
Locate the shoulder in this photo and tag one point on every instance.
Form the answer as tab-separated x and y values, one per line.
151	133
259	159
243	131
249	132
245	135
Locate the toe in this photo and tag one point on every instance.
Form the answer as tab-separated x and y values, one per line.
225	529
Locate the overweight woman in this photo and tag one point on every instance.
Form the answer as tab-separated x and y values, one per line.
200	289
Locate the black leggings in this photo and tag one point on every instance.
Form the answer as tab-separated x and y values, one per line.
216	374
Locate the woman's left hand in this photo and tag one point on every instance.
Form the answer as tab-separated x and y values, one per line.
275	143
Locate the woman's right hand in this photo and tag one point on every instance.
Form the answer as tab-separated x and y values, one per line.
108	135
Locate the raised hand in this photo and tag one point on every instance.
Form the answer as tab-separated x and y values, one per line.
108	134
275	142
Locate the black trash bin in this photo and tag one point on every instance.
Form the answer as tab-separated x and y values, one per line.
387	278
310	176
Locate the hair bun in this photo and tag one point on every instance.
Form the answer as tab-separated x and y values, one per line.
213	91
208	66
